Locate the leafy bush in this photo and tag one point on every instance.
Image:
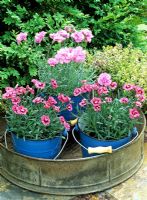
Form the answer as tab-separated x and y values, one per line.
111	21
124	64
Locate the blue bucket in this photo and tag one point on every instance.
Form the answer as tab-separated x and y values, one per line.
88	141
71	115
47	149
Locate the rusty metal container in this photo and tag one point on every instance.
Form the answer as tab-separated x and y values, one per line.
71	174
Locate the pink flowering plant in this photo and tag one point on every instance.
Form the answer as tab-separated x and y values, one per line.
31	116
37	54
28	48
65	69
109	114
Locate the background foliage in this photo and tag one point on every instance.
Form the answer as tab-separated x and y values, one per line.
126	65
110	20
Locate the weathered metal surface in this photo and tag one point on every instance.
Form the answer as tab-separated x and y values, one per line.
73	176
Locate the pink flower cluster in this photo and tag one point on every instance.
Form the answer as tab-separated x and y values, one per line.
60	36
67	55
11	93
83	35
21	37
96	102
100	90
40	36
63	98
140	95
78	36
102	86
18	95
50	102
65	124
20	110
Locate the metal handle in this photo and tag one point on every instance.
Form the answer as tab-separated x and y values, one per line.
100	149
62	147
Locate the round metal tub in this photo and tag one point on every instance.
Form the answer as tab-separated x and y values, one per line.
72	175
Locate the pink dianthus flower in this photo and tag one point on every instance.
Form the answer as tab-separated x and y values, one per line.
124	100
21	37
108	99
69	107
113	85
45	120
104	79
96	101
54	83
77	36
63	98
16	100
38	84
40	36
38	100
134	113
83	103
77	91
87	34
128	87
52	62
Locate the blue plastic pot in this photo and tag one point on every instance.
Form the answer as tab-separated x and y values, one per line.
88	141
47	149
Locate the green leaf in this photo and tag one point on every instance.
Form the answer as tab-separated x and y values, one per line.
33	70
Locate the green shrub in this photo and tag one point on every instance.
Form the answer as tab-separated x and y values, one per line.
110	20
126	65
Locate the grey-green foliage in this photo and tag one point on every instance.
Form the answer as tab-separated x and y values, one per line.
68	76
